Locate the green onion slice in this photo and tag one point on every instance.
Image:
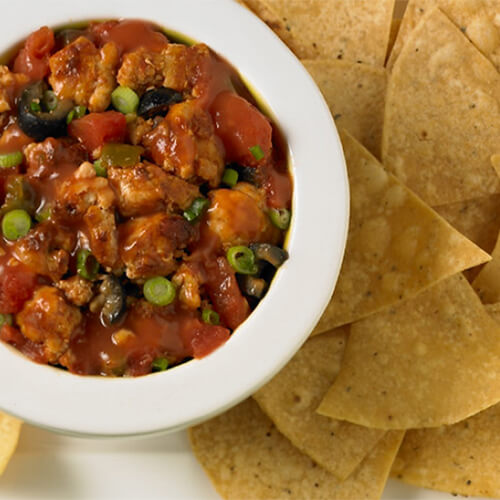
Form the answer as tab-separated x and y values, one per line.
70	117
159	291
86	264
9	160
5	319
100	169
125	100
16	224
159	364
242	260
43	214
210	317
230	177
196	210
35	107
257	152
280	217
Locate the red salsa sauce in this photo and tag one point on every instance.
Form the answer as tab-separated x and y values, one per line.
144	200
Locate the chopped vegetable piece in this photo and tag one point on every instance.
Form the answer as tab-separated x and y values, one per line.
125	100
86	264
210	317
159	291
19	194
230	177
257	152
272	254
242	260
10	160
280	217
100	169
252	286
5	319
16	224
159	364
49	100
196	210
75	113
70	117
43	214
121	155
35	107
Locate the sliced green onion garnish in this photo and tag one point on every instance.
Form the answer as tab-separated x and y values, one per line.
80	111
70	117
196	210
16	224
159	364
9	160
43	214
50	100
86	264
125	100
159	291
280	217
100	169
257	152
35	107
5	319
210	317
230	177
242	260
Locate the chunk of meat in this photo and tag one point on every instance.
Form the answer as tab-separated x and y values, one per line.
185	144
17	284
81	191
10	83
238	216
149	245
47	319
103	235
139	127
46	249
77	290
188	283
225	293
46	159
146	188
85	74
178	67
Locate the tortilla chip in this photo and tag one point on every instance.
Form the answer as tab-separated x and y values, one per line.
291	398
430	361
462	459
355	94
337	29
247	458
395	25
10	429
475	18
441	94
487	282
396	245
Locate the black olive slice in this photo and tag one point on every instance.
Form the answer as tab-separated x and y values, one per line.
157	102
269	253
115	300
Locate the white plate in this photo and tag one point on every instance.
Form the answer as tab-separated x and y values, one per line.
49	466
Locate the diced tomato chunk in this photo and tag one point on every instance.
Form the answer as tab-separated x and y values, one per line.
278	187
33	59
96	129
241	126
207	338
225	294
17	284
129	35
15	338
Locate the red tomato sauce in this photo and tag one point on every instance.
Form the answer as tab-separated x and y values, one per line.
133	223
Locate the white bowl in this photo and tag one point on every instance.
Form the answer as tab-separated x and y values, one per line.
262	345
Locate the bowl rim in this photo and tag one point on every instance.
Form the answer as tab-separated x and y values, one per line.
97	406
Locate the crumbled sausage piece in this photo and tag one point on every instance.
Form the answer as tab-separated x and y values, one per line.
138	128
178	67
45	249
188	283
85	74
47	319
146	188
9	83
238	216
77	290
148	245
185	144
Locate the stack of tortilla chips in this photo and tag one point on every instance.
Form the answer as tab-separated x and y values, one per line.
402	374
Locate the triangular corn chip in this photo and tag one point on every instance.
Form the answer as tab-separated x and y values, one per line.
430	361
10	429
291	398
487	282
